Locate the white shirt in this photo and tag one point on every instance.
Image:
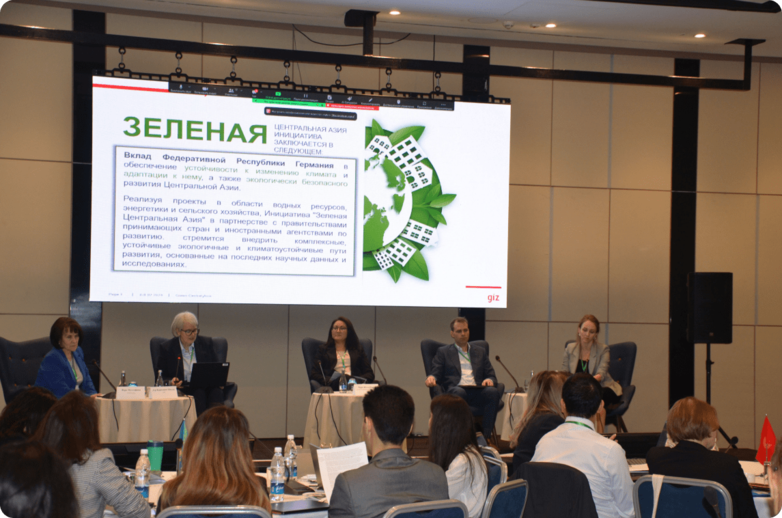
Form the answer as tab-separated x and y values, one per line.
576	444
470	490
188	359
464	362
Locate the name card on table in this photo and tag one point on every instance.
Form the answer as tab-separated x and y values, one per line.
163	393
131	393
361	390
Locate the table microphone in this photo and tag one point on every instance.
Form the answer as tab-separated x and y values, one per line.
517	389
110	395
381	370
325	389
711	497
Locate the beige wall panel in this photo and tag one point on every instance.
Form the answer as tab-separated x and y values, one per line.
649	407
725	242
41	115
769	259
641	127
639	266
522	346
258	351
770	129
528	255
558	334
35	223
768	382
580	124
580	254
49	17
399	335
732	384
727	134
313	322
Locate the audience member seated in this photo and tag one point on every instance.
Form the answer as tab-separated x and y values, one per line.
543	414
34	483
775	478
71	429
466	371
178	355
63	368
20	418
392	477
453	447
575	443
342	353
693	426
220	438
588	355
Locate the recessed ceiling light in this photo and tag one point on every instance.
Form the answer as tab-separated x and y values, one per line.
700	35
551	25
394	13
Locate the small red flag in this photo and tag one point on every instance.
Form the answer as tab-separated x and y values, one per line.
767	442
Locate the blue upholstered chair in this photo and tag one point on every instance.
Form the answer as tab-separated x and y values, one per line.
19	362
309	348
433	509
506	500
200	511
498	469
679	497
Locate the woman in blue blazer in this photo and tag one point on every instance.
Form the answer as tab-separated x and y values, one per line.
63	368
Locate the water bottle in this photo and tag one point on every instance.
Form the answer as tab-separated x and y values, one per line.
159	380
122	382
343	382
291	453
143	468
277	470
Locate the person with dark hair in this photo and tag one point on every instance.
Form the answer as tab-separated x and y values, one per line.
576	443
392	477
20	418
692	425
71	429
63	368
465	371
343	353
34	483
220	437
453	447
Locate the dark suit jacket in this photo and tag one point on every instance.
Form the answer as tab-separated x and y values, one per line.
170	360
392	478
539	426
448	372
692	460
359	364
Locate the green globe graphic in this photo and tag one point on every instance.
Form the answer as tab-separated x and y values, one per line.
388	203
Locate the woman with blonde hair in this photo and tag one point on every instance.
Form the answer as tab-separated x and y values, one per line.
543	414
217	466
775	479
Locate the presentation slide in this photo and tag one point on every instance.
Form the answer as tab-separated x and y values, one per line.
219	194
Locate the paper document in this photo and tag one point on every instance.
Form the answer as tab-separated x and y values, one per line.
334	461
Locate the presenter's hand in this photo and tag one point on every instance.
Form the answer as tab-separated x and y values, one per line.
176	382
487	383
96	396
430	381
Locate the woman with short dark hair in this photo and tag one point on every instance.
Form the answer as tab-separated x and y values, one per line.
34	483
342	352
71	429
63	368
20	418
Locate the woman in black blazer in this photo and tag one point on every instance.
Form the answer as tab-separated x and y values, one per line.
342	352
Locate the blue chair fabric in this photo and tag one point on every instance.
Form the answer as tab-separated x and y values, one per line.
679	497
19	363
309	349
213	511
434	509
506	500
497	468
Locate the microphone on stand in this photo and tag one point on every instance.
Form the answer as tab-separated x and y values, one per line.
325	389
710	495
381	370
517	389
110	395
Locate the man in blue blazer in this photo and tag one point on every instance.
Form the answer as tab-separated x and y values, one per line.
465	371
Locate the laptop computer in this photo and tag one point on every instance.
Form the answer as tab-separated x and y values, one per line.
210	374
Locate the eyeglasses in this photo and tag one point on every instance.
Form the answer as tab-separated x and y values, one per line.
341	328
190	332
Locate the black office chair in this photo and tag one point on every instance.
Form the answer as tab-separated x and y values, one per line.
220	348
309	349
548	482
19	363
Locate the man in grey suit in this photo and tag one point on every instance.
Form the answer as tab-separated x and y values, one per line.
466	371
392	477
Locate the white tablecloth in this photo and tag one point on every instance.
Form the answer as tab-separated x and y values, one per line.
331	416
144	419
511	415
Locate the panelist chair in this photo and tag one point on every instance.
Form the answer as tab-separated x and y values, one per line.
309	349
433	509
19	363
199	511
679	497
220	348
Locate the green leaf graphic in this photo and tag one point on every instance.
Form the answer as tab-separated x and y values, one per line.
437	215
376	129
370	263
410	131
399	200
442	201
368	136
422	216
416	266
432	193
395	271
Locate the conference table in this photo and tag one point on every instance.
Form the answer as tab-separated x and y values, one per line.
141	420
334	420
510	415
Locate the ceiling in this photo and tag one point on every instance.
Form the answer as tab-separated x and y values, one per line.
579	22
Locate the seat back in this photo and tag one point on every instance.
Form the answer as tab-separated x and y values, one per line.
309	349
506	500
622	362
679	497
548	481
155	346
434	509
220	346
19	363
198	511
497	468
366	344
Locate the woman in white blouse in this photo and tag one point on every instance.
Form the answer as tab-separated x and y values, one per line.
453	447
